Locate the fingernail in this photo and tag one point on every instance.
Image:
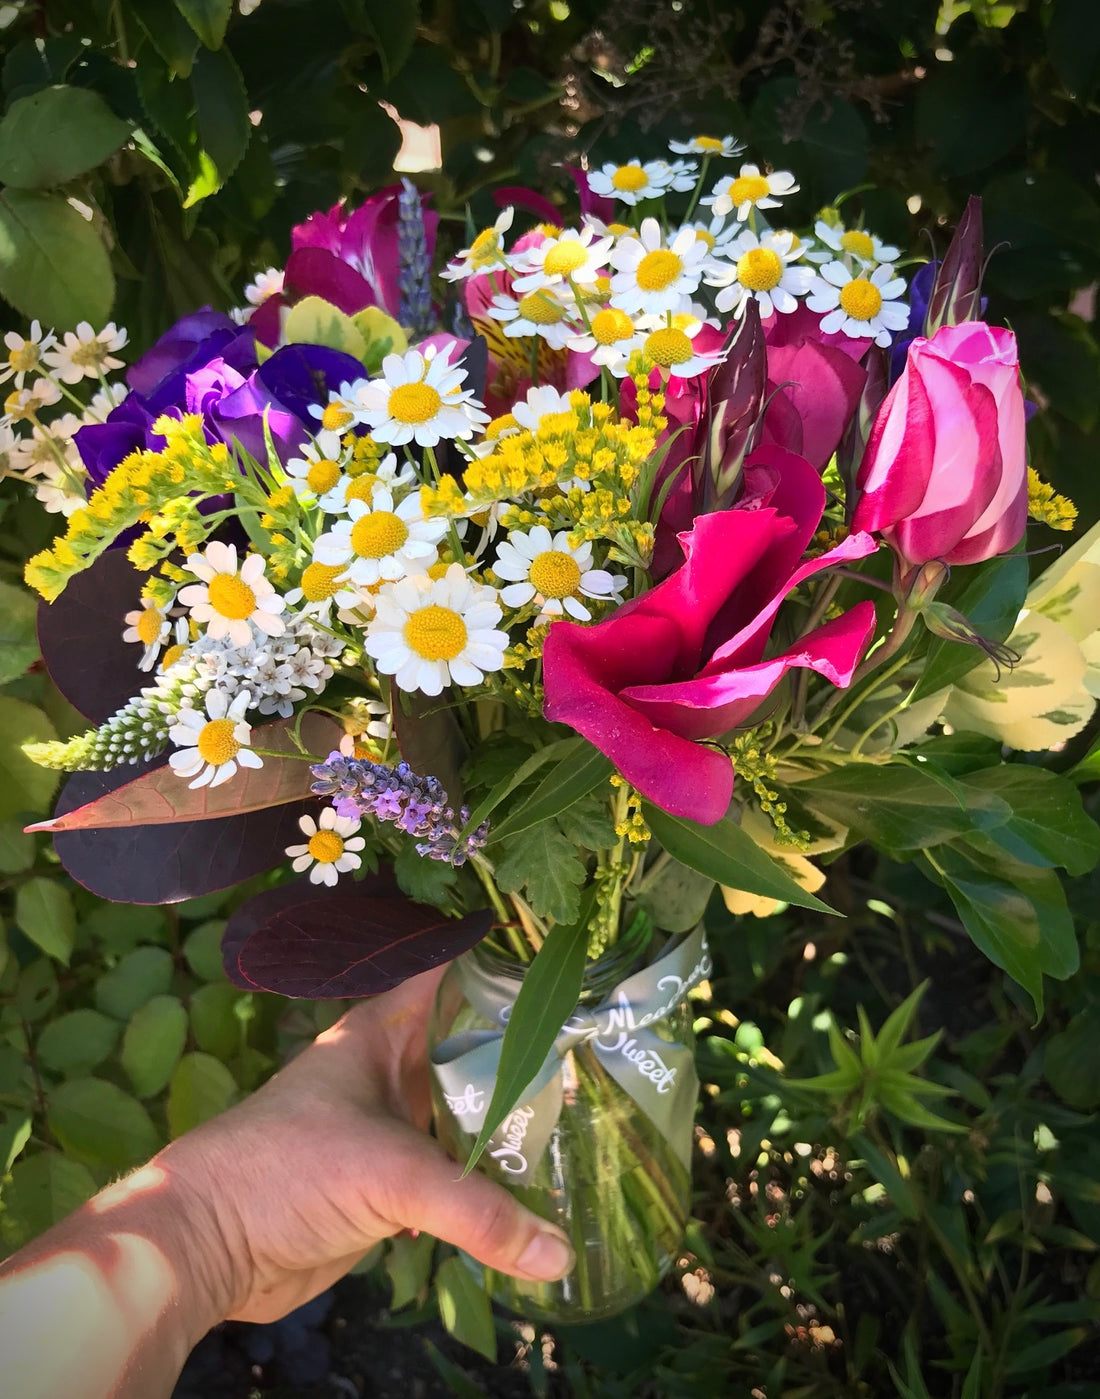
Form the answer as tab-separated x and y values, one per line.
546	1257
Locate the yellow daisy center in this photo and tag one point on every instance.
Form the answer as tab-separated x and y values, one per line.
322	476
380	533
748	189
668	346
485	249
630	178
857	242
658	269
760	269
552	230
565	257
362	487
707	143
861	299
540	310
555	574
439	568
618	229
91	353
319	581
335	417
149	625
705	237
436	633
414	403
26	357
501	424
610	326
231	598
172	655
216	742
326	847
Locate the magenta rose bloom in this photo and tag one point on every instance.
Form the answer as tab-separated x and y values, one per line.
686	661
944	475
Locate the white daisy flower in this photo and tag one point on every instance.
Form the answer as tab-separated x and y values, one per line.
669	346
749	190
231	603
323	586
724	147
315	475
25	404
610	338
14	451
149	625
339	413
545	569
104	400
25	353
60	489
388	472
865	248
381	541
330	848
86	354
651	277
717	235
213	745
859	306
571	255
485	253
631	182
263	285
681	174
538	314
181	643
430	633
540	402
760	268
418	399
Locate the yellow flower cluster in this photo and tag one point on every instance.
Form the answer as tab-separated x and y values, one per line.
755	764
1046	505
145	487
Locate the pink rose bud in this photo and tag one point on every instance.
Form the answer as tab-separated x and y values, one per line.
944	475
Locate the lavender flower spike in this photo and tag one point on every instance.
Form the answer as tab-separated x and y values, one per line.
414	276
416	805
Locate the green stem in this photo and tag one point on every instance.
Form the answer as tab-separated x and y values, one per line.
698	188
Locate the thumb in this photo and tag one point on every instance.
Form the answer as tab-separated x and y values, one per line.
479	1216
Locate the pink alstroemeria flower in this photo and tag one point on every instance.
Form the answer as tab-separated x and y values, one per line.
686	661
944	475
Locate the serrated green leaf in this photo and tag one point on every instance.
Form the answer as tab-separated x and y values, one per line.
56	134
153	1043
548	995
727	855
545	865
464	1307
53	264
208	18
44	911
221	122
572	777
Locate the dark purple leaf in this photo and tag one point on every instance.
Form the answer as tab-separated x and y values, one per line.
736	390
431	741
357	940
956	297
167	863
81	637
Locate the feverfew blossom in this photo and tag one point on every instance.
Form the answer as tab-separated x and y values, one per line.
570	256
149	625
631	182
264	284
749	190
25	404
86	353
418	399
547	570
381	541
485	253
725	147
25	353
760	268
213	745
229	602
667	343
865	248
331	847
861	306
651	277
538	314
610	337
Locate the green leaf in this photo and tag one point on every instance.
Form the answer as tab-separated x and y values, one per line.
392	27
221	121
24	786
675	897
17	848
1071	1064
53	264
990	599
727	855
100	1125
37	991
56	134
899	807
464	1307
426	881
1048	825
169	33
18	636
545	864
76	1043
15	1133
887	1174
208	18
42	1191
214	1021
142	974
153	1043
201	1088
202	950
44	910
408	1266
548	995
572	777
1016	914
431	741
517	776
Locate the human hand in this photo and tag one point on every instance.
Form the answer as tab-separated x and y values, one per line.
288	1190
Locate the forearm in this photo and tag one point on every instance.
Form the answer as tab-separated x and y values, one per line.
108	1303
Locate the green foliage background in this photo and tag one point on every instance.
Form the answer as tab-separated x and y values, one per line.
857	1234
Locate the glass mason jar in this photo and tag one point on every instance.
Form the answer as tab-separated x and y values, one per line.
613	1179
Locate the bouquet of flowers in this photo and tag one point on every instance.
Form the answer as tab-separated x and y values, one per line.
650	548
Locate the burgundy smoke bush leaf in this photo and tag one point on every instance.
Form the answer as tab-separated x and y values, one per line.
164	864
81	637
357	940
735	393
159	797
430	741
956	296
